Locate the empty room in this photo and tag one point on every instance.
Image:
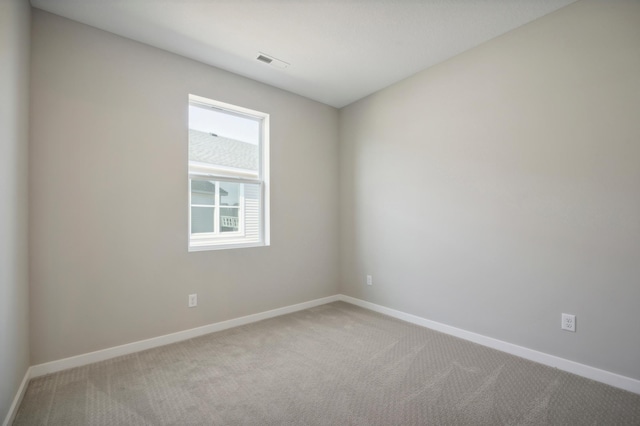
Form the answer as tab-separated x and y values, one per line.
319	212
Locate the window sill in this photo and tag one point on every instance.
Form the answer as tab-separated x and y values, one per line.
225	246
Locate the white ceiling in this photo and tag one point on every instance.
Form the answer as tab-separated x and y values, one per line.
339	50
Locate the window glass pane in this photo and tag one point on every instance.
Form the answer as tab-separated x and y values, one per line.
224	123
228	147
202	219
229	219
229	194
223	141
203	192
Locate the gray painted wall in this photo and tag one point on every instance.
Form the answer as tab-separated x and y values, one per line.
501	188
491	192
14	111
108	267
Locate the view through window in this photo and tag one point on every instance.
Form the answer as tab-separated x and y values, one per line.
228	179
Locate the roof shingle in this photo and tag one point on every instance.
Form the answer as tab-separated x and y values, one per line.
221	151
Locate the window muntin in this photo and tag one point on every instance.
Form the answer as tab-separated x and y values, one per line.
217	207
228	176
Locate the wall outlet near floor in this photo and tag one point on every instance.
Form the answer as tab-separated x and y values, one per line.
193	300
369	280
569	322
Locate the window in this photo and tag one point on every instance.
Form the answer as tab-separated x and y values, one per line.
228	176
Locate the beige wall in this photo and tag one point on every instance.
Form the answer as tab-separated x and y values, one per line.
491	192
14	287
109	260
501	188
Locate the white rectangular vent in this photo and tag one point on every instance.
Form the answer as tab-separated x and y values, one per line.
264	59
267	59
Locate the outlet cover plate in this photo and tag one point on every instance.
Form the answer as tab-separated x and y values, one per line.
193	300
569	322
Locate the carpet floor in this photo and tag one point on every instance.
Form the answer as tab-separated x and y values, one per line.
335	364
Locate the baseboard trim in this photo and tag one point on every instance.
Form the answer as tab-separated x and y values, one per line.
129	348
13	410
603	376
593	373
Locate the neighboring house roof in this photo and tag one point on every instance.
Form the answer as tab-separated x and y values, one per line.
221	151
206	187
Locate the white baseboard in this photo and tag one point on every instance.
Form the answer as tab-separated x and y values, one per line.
612	379
104	354
583	370
13	410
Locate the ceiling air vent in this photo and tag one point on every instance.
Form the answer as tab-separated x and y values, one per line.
275	62
264	59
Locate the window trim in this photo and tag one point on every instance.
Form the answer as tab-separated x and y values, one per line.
235	240
217	210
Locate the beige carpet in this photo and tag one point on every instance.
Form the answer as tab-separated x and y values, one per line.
336	364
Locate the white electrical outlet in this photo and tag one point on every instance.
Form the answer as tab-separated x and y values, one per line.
568	322
193	300
369	280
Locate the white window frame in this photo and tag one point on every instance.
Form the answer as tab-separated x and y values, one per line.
198	171
217	234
